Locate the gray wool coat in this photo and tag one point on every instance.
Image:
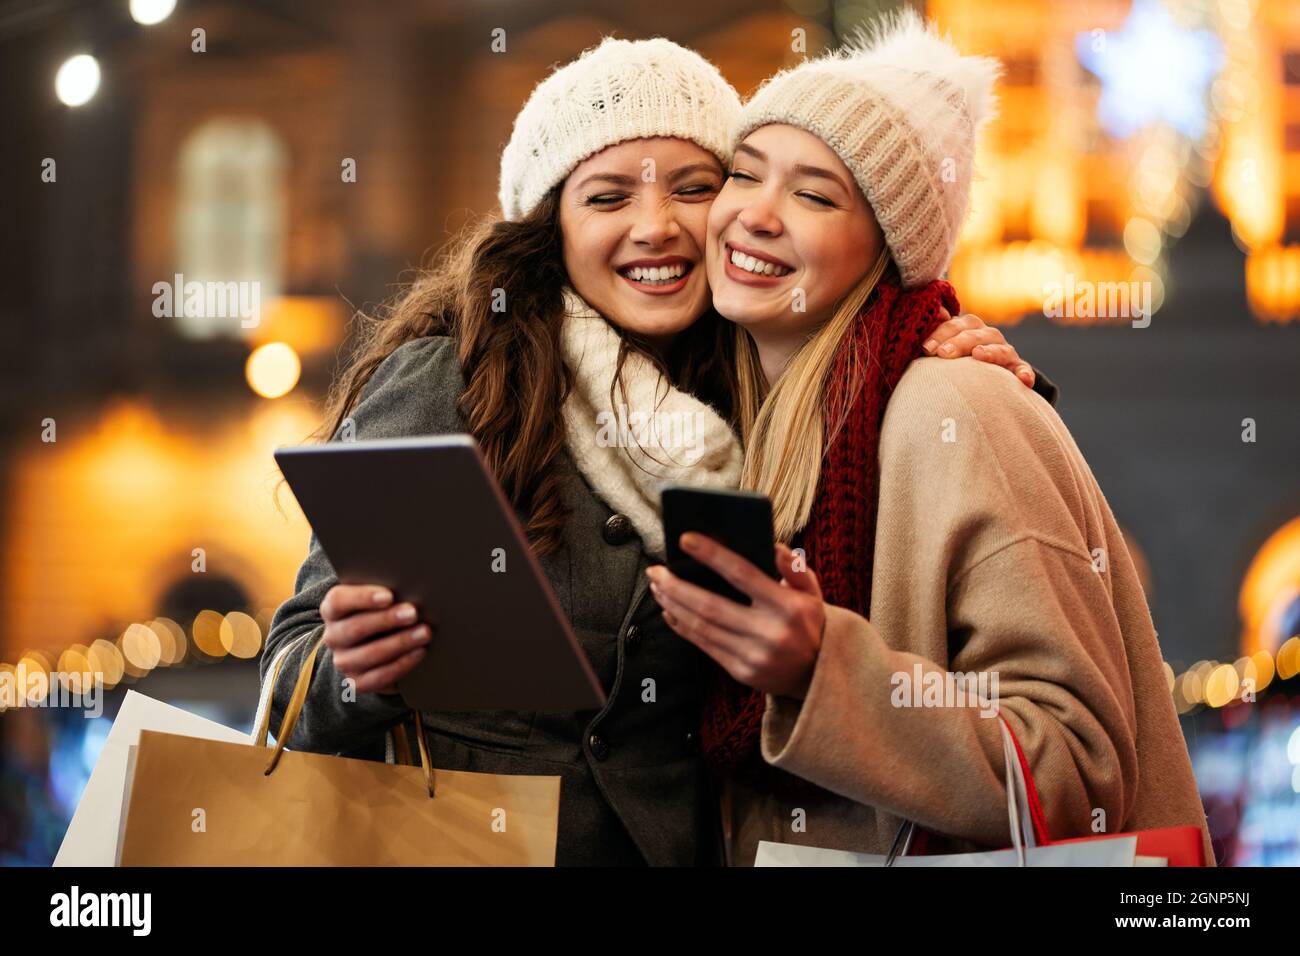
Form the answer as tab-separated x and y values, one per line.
634	789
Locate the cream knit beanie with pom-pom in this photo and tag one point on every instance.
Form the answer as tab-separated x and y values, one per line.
901	106
619	90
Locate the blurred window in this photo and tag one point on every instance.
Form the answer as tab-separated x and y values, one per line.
230	213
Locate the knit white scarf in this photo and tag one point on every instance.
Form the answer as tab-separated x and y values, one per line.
651	435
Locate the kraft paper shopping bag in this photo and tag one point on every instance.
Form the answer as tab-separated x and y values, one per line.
92	836
212	803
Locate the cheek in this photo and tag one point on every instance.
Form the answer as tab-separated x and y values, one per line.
589	246
834	261
694	219
721	212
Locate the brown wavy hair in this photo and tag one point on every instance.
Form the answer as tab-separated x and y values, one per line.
511	360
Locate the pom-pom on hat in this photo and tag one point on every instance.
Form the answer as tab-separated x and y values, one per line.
901	107
619	90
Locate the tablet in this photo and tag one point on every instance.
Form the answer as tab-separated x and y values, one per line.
425	517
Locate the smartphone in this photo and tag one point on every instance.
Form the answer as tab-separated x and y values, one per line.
739	520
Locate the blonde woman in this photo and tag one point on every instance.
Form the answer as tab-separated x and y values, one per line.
947	521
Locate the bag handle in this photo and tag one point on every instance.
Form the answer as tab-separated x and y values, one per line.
294	709
1026	778
1025	815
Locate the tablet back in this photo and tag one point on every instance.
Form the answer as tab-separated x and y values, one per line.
425	517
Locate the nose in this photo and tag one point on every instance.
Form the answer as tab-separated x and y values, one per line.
655	225
759	217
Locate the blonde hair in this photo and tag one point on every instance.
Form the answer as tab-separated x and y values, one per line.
784	428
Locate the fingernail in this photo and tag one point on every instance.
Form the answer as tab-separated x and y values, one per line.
690	541
382	596
654	589
654	573
929	345
672	621
420	635
406	613
946	348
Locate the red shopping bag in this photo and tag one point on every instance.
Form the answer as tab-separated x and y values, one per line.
1181	846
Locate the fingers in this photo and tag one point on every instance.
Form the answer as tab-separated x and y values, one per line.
362	625
965	343
738	572
950	329
356	661
1003	355
354	614
720	645
344	599
383	679
1008	358
796	572
712	607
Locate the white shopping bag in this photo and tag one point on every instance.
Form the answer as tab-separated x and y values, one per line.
1025	851
92	835
1120	851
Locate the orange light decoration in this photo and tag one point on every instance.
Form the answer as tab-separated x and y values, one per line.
1270	587
1048	173
1257	174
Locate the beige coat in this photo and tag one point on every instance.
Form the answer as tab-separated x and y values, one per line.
996	552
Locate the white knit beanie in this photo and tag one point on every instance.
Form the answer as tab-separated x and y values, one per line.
901	106
619	90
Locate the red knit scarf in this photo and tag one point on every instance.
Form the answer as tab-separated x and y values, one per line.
839	539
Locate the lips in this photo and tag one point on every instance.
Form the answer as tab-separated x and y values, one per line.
661	276
740	263
756	262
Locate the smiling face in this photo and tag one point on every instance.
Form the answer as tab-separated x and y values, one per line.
790	217
634	218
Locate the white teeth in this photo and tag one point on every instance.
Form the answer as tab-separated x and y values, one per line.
758	266
656	275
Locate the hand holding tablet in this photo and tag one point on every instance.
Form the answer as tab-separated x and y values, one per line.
437	531
355	615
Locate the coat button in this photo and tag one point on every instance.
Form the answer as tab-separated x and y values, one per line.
599	749
618	529
690	740
633	636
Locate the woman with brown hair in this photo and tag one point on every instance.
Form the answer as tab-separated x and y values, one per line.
587	299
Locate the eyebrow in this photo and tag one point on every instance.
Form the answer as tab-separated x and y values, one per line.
630	181
614	178
684	171
819	173
801	169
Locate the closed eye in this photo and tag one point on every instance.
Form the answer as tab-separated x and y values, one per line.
699	189
821	200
